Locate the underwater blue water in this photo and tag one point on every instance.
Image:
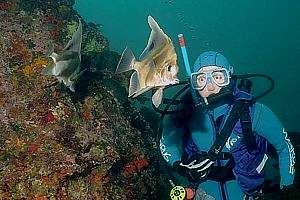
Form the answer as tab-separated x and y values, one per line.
257	36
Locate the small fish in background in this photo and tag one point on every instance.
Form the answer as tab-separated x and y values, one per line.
169	2
179	13
180	16
157	67
66	65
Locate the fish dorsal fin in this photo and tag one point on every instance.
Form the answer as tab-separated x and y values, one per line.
157	97
75	43
134	85
157	36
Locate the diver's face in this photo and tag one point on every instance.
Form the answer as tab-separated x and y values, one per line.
211	87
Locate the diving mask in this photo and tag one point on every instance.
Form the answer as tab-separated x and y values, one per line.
219	76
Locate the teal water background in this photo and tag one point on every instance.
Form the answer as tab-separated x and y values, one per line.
257	36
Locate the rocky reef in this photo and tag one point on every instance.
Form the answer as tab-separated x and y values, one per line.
55	144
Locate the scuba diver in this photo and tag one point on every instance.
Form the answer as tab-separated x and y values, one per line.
219	139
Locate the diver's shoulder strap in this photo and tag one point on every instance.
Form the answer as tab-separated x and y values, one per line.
248	135
239	110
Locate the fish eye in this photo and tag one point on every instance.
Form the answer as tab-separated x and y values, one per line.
169	68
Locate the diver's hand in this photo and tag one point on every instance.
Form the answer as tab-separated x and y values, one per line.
199	167
195	168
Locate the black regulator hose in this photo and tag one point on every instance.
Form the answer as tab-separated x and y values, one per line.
244	76
174	101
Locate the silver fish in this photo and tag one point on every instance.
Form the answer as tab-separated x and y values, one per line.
66	65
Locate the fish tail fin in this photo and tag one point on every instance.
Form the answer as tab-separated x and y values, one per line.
126	62
134	85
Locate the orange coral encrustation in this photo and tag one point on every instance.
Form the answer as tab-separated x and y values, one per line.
37	64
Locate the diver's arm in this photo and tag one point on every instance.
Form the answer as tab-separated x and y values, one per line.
171	142
269	126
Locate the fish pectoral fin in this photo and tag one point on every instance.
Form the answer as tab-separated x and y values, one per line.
75	43
134	85
126	61
157	97
76	76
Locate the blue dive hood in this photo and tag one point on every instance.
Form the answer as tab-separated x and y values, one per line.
209	58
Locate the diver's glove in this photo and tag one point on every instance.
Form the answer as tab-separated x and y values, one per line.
195	168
